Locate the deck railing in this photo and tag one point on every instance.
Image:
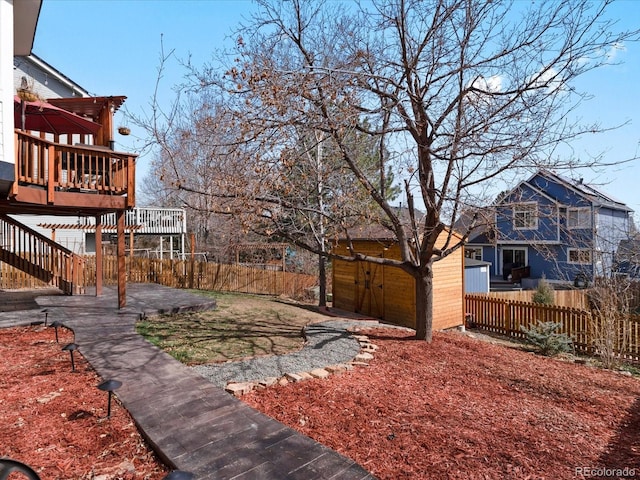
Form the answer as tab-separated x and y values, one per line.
147	220
33	253
79	168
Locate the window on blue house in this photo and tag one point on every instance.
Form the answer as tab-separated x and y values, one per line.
580	256
578	218
473	252
525	216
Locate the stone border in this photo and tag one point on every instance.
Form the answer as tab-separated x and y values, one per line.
367	350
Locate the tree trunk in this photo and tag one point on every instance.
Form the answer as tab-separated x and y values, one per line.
322	278
424	304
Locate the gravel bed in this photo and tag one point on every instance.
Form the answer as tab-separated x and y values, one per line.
328	343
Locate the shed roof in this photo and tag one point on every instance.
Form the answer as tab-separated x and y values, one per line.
472	262
382	230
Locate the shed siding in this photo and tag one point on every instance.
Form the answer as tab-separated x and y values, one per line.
448	291
344	277
396	288
476	279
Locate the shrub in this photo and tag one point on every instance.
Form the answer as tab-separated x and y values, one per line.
544	336
544	293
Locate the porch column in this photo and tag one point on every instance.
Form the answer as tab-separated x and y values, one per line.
98	255
122	273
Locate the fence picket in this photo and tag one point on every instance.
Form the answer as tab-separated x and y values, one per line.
180	274
484	312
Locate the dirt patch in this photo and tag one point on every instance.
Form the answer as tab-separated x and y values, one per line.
463	408
54	420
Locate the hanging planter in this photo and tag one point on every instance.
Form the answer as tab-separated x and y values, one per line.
124	130
27	95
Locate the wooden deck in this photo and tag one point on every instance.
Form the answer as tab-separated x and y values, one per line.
74	179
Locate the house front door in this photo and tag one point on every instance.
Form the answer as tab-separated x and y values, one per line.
369	291
513	257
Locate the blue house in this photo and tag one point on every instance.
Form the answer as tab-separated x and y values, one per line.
550	226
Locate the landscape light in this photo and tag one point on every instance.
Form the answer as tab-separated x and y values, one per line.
71	347
55	324
109	386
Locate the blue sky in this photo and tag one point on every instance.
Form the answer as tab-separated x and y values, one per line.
112	47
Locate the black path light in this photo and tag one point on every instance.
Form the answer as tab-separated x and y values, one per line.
109	386
71	347
46	315
179	475
55	324
7	465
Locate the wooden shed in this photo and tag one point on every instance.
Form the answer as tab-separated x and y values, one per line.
387	292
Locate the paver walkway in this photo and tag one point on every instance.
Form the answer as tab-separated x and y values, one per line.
193	425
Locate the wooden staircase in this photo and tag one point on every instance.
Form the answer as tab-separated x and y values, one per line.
41	257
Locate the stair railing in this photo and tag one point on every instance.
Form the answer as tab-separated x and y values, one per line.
39	256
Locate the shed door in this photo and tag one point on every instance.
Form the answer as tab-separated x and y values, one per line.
369	291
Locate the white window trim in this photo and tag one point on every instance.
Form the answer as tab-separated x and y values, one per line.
535	215
569	250
474	250
578	210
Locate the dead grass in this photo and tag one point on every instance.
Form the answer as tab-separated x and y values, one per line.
242	326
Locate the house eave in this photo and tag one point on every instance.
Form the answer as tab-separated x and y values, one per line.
57	74
594	197
527	242
25	21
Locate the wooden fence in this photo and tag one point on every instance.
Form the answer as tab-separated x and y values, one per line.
506	317
182	274
562	298
205	276
12	278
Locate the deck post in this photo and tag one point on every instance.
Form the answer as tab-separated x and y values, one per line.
122	274
98	255
51	170
192	262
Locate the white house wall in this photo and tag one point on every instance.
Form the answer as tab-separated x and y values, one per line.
7	155
44	79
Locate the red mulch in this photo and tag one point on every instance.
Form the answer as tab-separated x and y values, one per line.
462	408
54	420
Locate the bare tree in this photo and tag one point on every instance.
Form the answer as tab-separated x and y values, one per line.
610	325
456	94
